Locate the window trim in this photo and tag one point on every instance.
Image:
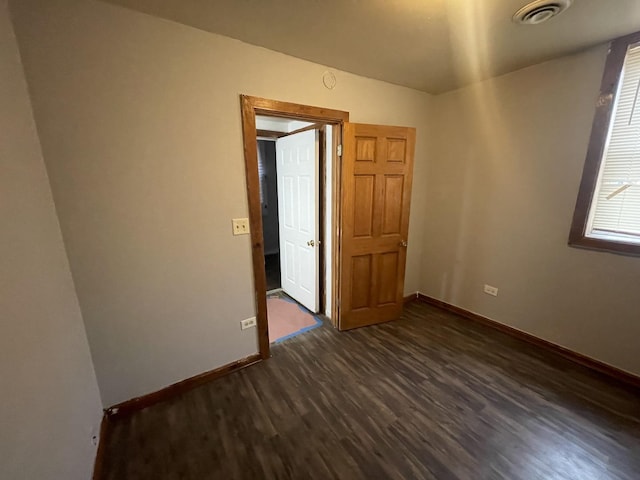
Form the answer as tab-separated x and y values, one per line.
599	131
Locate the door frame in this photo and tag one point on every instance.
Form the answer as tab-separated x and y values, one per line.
250	107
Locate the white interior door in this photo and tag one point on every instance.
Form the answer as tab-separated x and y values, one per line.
298	217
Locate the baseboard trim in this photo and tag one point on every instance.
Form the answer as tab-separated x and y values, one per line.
591	363
411	298
138	403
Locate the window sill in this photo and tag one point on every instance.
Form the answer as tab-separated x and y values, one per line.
591	243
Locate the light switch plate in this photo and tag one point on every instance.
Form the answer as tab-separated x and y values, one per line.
240	226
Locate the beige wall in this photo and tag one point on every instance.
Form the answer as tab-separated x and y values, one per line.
49	405
507	161
139	122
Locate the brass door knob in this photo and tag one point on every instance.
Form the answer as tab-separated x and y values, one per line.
403	243
311	243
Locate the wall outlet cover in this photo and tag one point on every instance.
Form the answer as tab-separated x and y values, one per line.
240	226
489	290
248	323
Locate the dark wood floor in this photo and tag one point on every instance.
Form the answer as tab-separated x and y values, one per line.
431	396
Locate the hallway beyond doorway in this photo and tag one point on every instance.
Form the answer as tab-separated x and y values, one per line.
287	318
272	269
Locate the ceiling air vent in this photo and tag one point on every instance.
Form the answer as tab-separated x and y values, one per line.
540	11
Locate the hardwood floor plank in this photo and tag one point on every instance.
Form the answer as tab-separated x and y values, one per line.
431	396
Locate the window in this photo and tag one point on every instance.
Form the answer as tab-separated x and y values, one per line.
607	215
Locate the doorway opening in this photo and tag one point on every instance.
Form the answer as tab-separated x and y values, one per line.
320	121
369	203
294	167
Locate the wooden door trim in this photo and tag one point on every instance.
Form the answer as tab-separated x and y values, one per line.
322	216
276	108
250	107
277	134
270	134
336	222
315	126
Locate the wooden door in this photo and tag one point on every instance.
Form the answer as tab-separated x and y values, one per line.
297	158
377	165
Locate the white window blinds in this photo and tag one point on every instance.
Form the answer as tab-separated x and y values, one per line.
615	210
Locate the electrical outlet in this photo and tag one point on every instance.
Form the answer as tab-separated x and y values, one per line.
240	226
488	289
248	323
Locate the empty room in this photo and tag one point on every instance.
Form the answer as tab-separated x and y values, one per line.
280	239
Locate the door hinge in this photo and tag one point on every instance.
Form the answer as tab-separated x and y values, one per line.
339	152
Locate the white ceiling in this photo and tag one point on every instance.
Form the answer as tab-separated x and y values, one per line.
430	45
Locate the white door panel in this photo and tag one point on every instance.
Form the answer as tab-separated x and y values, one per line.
298	196
289	265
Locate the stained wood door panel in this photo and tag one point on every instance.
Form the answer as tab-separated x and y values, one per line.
396	149
374	281
392	208
387	281
363	186
365	149
361	291
376	189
